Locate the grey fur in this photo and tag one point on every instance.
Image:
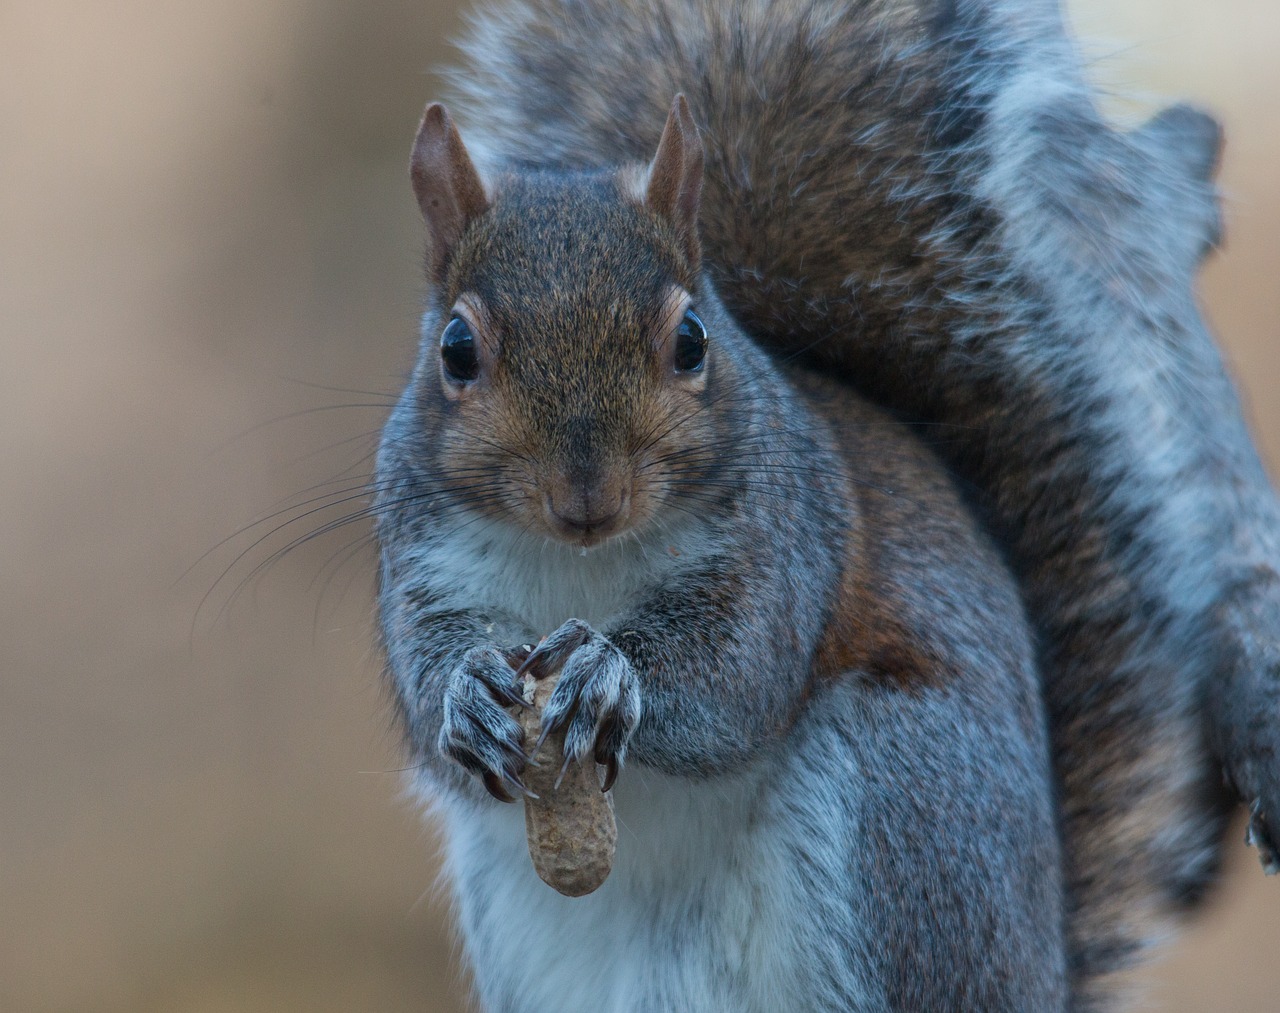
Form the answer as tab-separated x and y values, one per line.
925	196
847	837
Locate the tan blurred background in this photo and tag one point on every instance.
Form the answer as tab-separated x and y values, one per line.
205	223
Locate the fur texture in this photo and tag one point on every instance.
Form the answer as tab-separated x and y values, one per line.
801	826
923	196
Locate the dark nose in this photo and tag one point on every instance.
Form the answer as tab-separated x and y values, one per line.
596	507
588	508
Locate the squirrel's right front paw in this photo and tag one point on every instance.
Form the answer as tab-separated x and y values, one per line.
476	731
1260	835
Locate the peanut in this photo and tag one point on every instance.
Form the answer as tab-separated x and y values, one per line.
571	829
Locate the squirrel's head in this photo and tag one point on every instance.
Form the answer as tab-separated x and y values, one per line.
565	367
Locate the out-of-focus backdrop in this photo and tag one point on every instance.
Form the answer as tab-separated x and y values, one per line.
208	255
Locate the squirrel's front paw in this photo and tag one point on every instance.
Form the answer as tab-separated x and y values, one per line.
476	731
1260	835
597	696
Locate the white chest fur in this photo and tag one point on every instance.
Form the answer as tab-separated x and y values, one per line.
541	583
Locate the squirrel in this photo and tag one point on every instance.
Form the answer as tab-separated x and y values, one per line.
764	596
919	199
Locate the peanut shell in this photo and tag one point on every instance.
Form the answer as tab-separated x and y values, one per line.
571	829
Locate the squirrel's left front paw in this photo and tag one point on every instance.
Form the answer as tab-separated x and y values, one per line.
597	696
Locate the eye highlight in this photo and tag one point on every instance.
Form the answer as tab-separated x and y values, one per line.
458	351
691	344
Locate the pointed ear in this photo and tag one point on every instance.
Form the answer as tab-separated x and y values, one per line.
449	190
675	177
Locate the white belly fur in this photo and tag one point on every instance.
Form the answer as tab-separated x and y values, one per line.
696	915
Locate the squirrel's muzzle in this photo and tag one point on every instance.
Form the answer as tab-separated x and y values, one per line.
588	510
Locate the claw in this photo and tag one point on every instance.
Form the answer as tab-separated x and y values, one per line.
517	754
555	649
513	698
530	760
1257	835
516	656
547	728
610	774
494	786
515	782
564	769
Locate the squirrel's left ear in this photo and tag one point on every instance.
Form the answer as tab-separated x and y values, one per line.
449	190
675	177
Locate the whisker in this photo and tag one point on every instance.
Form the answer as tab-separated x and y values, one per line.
302	412
374	510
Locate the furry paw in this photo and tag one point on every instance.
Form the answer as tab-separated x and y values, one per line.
1261	835
476	731
597	698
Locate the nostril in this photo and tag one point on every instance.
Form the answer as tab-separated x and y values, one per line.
588	511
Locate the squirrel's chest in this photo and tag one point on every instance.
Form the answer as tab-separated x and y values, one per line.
700	911
544	584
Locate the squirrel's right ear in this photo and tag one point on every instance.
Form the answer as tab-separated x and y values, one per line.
449	190
674	186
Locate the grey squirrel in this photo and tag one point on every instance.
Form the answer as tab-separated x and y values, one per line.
922	200
762	594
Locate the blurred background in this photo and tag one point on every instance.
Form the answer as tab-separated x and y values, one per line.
208	283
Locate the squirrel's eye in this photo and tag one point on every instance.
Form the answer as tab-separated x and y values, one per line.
691	344
458	351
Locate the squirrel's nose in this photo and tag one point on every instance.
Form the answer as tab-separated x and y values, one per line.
588	512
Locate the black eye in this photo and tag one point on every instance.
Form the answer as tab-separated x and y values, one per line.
458	351
691	344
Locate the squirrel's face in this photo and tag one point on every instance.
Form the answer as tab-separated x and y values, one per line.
565	368
569	364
